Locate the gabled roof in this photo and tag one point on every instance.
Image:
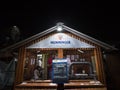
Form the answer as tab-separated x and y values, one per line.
75	32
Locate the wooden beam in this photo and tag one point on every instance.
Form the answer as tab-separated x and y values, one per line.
20	66
96	63
102	73
60	53
99	65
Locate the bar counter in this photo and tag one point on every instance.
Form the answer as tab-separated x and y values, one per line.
72	85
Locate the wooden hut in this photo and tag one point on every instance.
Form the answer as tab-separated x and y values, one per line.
85	53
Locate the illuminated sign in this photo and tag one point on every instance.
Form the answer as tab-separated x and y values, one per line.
60	40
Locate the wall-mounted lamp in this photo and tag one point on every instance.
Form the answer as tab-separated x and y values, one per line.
59	26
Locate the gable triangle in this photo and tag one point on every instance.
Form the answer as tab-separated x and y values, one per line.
60	40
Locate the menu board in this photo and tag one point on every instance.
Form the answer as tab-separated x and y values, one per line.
59	71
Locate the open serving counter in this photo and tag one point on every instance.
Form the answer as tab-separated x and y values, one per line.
73	84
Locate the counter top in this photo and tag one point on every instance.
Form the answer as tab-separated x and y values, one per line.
72	83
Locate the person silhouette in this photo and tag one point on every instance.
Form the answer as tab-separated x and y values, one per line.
37	73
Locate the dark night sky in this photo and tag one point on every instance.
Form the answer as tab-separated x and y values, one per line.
96	19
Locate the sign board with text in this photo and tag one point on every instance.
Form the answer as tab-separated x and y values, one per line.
59	71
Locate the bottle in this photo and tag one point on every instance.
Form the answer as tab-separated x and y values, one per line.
83	71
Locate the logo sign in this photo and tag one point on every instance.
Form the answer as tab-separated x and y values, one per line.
60	39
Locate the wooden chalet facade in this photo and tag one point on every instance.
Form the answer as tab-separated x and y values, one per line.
80	48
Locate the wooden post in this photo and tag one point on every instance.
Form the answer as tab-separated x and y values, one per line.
60	55
96	64
102	73
99	65
20	66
